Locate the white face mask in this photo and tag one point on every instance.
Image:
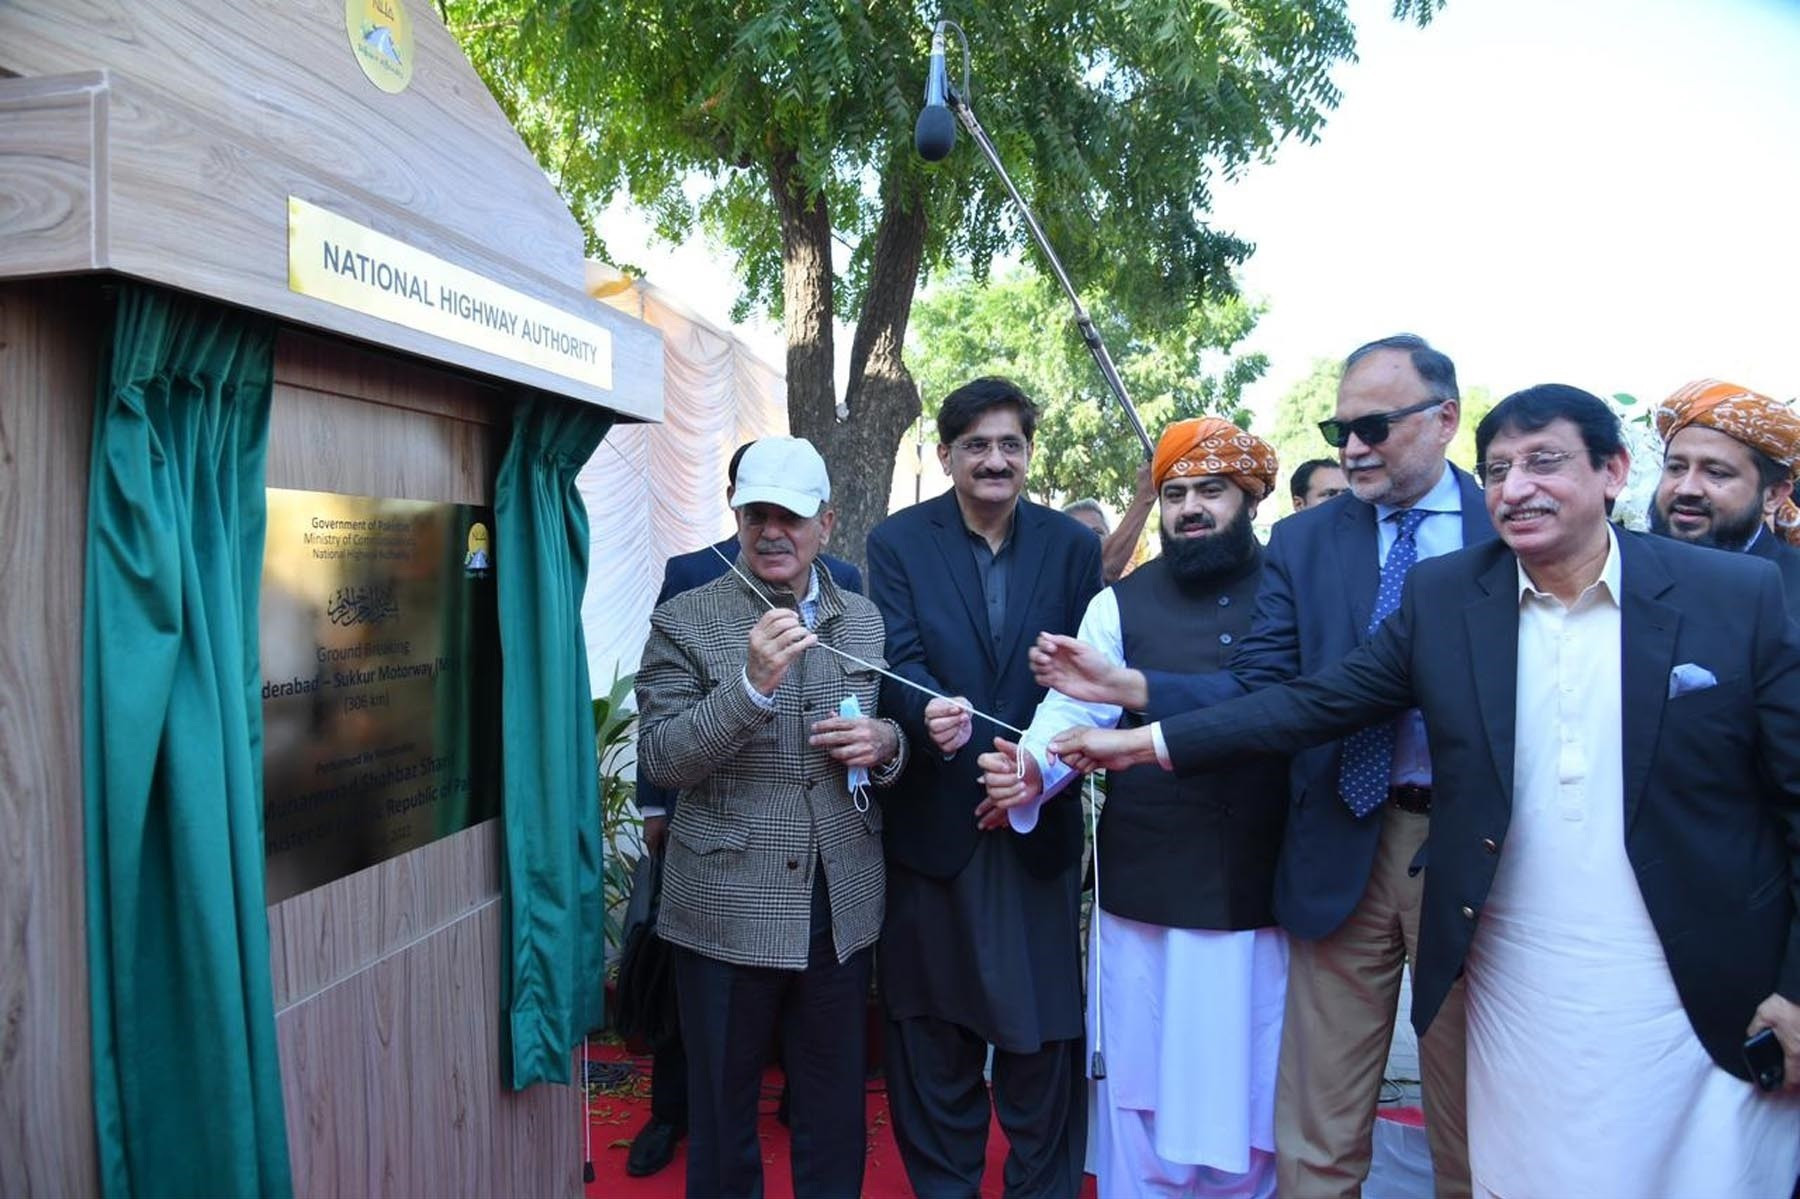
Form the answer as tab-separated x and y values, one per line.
850	709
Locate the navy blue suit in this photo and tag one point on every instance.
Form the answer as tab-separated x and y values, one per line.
1349	919
1770	545
980	946
923	578
1317	595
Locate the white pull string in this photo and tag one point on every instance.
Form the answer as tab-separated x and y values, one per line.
756	588
1096	1064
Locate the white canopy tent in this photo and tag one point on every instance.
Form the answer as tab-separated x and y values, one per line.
653	491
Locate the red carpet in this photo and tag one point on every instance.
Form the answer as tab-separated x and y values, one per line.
618	1115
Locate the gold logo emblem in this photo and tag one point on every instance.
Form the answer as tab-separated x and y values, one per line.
381	38
476	561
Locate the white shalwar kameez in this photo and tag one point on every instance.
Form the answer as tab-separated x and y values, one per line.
1188	1020
1585	1077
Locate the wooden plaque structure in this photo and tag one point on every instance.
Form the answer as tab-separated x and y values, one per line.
162	140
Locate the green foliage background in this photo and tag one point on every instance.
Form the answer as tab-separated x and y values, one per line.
1019	326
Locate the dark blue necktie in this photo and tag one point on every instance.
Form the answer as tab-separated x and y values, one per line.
1368	757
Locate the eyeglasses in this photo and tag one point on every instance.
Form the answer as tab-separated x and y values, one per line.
1538	464
978	447
1372	429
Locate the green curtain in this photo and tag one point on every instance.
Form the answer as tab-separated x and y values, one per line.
187	1085
550	802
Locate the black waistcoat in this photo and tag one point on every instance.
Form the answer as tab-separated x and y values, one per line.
1193	852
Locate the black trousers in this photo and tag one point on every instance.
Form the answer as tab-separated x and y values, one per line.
941	1111
729	1016
668	1080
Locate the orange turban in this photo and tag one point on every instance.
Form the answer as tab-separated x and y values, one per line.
1765	425
1210	446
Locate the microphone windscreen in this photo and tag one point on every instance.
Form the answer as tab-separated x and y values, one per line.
935	133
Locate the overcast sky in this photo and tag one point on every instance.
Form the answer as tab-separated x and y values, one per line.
1599	192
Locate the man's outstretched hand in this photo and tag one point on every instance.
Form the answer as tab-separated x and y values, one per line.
1080	671
1091	749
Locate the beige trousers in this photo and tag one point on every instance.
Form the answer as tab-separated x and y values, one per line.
1341	999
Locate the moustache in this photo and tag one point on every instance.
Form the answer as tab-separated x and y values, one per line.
1004	473
1692	507
1365	462
774	547
1507	511
1199	521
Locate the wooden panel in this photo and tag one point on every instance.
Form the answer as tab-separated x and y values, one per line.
420	435
202	151
282	72
323	936
49	343
387	982
171	169
392	1081
49	197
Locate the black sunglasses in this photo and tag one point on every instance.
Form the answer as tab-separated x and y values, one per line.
1371	429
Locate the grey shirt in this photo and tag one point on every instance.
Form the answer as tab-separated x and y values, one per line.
995	568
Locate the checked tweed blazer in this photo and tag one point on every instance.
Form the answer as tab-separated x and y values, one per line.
759	808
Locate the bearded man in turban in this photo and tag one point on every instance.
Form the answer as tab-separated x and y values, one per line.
1187	971
1729	456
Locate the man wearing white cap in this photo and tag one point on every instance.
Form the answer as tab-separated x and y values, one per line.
773	884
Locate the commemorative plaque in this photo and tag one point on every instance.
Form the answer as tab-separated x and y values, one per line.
381	681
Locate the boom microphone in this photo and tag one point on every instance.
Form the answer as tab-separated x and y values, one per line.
935	133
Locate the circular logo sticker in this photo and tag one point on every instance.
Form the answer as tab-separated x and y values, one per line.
381	38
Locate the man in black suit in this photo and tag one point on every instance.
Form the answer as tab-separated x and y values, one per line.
1615	726
1359	809
1728	474
654	1146
980	944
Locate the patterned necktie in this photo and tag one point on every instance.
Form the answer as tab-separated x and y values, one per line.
1368	756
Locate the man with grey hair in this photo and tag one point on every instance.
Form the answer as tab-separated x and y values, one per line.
1090	513
1359	808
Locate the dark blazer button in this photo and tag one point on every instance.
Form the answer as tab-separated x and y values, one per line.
1224	601
1467	911
794	864
1491	845
1224	638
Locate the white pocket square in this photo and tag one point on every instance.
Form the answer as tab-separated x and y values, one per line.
1689	677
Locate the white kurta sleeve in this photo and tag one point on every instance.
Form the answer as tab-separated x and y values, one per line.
1101	629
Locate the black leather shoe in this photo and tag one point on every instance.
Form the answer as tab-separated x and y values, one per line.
653	1148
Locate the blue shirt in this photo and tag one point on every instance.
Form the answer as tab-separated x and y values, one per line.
1439	533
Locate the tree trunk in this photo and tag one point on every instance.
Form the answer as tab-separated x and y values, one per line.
806	290
881	398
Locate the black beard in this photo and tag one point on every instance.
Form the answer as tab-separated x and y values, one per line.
1204	559
1726	532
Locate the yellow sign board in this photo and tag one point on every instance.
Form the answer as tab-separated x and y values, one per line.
341	262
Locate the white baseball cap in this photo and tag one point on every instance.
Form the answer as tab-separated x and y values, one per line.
785	471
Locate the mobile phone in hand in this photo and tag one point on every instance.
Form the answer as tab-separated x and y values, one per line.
1763	1054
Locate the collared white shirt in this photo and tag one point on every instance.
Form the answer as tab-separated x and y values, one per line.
1439	533
1567	744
